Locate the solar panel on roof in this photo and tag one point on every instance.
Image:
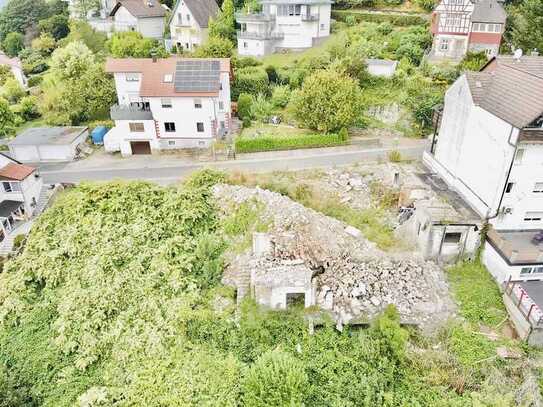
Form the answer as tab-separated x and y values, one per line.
197	76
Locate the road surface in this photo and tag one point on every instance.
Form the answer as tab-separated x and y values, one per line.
171	173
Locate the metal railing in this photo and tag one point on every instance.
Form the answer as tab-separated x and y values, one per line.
259	36
242	17
310	17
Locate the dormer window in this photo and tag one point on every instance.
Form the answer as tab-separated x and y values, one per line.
132	77
168	78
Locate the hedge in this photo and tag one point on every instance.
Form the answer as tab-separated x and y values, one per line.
252	80
400	20
275	143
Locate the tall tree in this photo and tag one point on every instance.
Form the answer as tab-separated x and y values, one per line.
527	25
7	119
225	24
13	44
84	7
22	15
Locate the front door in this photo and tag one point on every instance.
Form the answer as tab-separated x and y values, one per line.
140	147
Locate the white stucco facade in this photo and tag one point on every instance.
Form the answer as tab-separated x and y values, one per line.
148	27
185	31
498	172
284	26
173	121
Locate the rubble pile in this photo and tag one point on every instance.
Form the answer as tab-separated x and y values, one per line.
351	278
352	188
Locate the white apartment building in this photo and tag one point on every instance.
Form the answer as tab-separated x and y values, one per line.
488	147
189	22
19	193
170	103
283	25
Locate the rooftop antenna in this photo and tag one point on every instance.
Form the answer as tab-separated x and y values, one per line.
518	54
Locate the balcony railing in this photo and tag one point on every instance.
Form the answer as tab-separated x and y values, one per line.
310	17
516	247
527	307
254	17
259	36
133	111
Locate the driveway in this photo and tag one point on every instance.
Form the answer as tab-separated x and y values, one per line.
170	168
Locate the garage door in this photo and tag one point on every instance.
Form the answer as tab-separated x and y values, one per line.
140	147
28	154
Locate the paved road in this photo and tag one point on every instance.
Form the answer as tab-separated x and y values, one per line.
167	174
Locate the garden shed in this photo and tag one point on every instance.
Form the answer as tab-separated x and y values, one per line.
48	144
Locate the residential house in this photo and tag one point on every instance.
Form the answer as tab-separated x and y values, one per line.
189	22
19	193
283	25
16	67
488	146
144	16
459	26
168	103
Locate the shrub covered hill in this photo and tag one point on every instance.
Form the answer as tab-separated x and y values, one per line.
116	300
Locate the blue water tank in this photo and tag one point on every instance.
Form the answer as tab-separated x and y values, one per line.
98	134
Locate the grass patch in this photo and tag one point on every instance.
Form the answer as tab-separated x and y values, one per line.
287	142
242	222
477	293
260	129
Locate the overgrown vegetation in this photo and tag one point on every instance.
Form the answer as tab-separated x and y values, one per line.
115	300
274	143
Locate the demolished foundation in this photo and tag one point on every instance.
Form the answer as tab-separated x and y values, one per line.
307	253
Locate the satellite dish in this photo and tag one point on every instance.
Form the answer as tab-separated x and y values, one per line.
518	54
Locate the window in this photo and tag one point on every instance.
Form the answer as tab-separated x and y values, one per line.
289	10
200	127
7	186
444	44
509	187
220	86
245	45
531	270
180	18
132	77
453	237
222	124
323	27
171	142
188	17
168	78
221	107
169	127
187	46
166	103
538	187
518	156
197	103
533	216
136	127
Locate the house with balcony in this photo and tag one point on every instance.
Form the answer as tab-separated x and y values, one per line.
189	22
488	147
459	26
170	103
283	25
19	194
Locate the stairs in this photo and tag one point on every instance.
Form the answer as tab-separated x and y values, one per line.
243	284
23	228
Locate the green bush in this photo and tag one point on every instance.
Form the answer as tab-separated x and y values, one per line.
28	108
280	96
261	109
245	102
427	5
272	74
343	134
18	241
397	20
276	379
276	143
34	80
13	44
252	80
244	62
394	156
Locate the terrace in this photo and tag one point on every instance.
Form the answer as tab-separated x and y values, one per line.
516	247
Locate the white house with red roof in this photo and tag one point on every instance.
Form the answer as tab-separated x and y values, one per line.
170	103
144	16
19	193
459	26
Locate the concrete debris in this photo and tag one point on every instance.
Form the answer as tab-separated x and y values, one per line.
348	276
507	353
